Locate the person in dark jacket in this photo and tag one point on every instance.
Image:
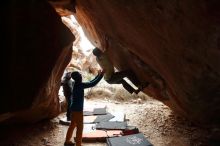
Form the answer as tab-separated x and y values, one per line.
67	85
77	106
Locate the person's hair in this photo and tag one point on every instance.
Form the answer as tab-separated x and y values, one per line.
97	52
76	76
67	75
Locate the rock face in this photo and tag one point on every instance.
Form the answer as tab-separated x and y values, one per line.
38	47
174	45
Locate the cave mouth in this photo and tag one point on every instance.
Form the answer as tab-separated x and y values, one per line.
85	62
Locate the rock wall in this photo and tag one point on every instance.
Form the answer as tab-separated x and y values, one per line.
174	45
37	49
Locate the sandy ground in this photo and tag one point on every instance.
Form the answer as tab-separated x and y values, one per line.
160	126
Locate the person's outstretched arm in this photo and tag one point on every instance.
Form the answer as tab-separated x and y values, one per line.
93	82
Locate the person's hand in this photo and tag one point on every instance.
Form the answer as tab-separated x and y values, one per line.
101	72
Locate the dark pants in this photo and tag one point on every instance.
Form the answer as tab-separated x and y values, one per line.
68	111
117	78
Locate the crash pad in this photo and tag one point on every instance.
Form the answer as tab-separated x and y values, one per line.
103	118
99	111
111	125
129	140
100	135
90	134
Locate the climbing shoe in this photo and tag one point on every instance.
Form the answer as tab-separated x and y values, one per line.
69	143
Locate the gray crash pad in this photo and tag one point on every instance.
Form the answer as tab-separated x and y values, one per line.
129	140
111	125
99	111
103	118
87	113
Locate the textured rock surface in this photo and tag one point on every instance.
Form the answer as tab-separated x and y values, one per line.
174	45
38	47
